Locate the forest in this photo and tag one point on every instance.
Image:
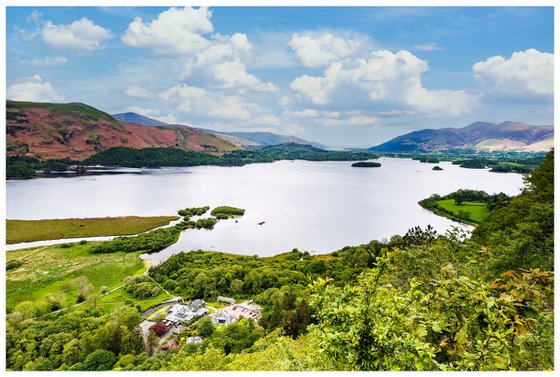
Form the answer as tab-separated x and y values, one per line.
25	167
420	301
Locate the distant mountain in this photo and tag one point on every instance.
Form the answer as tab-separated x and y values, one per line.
245	139
480	136
77	131
268	138
139	119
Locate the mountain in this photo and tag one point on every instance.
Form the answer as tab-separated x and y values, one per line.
77	131
138	119
269	138
244	139
480	136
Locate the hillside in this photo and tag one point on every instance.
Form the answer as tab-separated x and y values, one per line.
480	136
245	139
77	131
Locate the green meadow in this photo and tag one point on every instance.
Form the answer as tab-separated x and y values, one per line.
54	275
38	230
476	210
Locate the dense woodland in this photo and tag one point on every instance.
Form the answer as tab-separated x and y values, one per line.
420	301
26	167
23	167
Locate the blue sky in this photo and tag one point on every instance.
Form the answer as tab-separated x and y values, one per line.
349	76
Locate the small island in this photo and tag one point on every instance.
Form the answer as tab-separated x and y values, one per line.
437	168
226	212
363	164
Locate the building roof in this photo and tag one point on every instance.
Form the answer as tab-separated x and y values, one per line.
181	313
247	309
222	317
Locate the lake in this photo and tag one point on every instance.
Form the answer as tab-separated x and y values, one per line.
315	206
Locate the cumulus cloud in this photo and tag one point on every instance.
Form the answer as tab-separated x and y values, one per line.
428	47
221	65
139	92
525	73
81	35
35	90
48	61
193	100
385	78
216	61
175	31
320	50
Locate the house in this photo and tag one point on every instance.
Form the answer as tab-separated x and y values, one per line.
227	300
222	318
196	305
193	340
183	314
247	309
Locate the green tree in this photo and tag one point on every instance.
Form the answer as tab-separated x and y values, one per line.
206	327
99	360
152	343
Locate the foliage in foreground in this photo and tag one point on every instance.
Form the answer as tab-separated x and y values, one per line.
419	302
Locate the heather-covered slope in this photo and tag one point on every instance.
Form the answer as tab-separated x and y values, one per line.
77	131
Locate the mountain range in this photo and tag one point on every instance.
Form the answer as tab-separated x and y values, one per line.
77	131
244	139
480	136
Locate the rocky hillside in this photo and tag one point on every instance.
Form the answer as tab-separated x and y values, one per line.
77	131
479	136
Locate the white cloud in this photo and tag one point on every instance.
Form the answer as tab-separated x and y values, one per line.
175	31
34	17
314	88
138	92
152	113
35	90
80	35
233	74
49	61
202	102
395	113
319	51
313	113
356	120
221	65
386	79
284	101
428	47
525	73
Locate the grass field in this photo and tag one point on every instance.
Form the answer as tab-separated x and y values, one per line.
121	297
476	210
49	271
38	230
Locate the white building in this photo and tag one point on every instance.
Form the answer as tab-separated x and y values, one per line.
222	318
183	314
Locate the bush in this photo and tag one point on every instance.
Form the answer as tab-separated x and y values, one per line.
158	328
13	264
151	241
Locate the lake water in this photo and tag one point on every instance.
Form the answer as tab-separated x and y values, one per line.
315	206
